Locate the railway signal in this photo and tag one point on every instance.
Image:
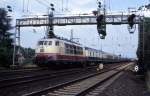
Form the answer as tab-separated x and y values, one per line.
131	20
101	27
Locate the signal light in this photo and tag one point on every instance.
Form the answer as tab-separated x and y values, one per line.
52	9
99	4
101	28
99	19
102	32
51	28
131	20
8	6
10	10
51	4
131	32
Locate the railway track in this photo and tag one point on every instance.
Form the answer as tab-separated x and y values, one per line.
80	86
29	79
11	71
5	74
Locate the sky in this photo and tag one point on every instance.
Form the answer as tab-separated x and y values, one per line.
118	39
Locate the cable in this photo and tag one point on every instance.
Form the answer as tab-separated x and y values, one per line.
46	1
28	6
62	5
41	3
23	5
109	6
67	5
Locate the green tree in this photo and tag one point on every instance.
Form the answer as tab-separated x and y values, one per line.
6	47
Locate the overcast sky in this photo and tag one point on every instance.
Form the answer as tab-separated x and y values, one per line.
118	39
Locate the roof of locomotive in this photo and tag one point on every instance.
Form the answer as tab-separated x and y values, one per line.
60	39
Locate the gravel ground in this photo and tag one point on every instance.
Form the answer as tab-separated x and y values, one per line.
126	85
11	75
34	86
29	87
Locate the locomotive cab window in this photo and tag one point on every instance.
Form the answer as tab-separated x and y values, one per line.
50	43
45	43
57	43
40	42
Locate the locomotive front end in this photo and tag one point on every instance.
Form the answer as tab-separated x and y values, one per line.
46	52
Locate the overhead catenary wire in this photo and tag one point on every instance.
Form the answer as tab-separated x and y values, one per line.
46	4
23	5
46	1
41	2
27	6
62	5
66	5
109	7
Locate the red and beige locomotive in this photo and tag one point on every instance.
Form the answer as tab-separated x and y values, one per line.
58	51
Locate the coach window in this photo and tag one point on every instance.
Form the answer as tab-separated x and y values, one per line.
75	50
81	51
78	50
67	49
71	49
57	43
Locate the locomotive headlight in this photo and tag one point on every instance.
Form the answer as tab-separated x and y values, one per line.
41	50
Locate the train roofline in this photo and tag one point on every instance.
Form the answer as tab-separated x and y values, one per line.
62	39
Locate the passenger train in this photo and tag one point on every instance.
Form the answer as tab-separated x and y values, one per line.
58	51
